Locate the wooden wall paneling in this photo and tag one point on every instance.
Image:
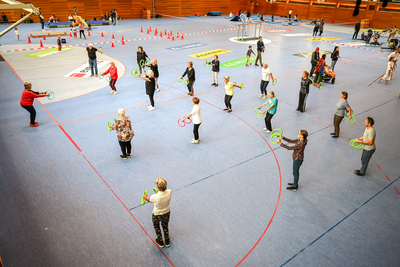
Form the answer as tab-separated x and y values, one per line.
124	9
92	9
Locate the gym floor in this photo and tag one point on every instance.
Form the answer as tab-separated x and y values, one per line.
68	199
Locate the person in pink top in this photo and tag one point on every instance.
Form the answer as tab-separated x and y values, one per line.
28	96
81	31
113	75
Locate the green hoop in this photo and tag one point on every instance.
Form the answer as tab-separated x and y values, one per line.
353	142
148	61
186	82
180	79
255	110
351	122
51	96
108	78
155	190
275	81
281	132
144	200
259	114
347	114
141	63
135	73
321	85
101	76
205	62
241	86
109	126
276	135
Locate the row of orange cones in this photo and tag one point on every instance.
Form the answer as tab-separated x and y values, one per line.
70	35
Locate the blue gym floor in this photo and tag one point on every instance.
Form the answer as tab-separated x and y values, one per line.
68	199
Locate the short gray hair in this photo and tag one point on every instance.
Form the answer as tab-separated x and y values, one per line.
121	112
227	77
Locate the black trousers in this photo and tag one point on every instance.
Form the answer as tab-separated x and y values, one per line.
268	119
126	147
32	111
228	99
190	86
82	32
196	131
302	101
112	84
151	96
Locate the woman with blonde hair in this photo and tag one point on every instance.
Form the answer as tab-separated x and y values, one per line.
229	93
123	126
113	75
191	77
150	87
154	67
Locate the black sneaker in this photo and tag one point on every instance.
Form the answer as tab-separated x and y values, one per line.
167	243
123	156
357	172
332	134
256	65
290	184
226	108
212	84
160	243
216	84
128	155
291	188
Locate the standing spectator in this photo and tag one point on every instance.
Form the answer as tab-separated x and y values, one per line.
81	31
248	15
113	77
388	75
41	18
161	211
17	33
271	110
123	126
341	107
197	119
304	90
320	70
369	35
356	30
229	86
316	28
5	19
321	27
334	56
248	55
141	59
368	139
215	70
260	48
266	76
191	77
76	11
290	13
150	87
154	67
28	96
92	59
314	61
116	17
59	43
298	156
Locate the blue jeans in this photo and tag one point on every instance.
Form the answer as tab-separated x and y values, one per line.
93	63
263	87
365	157
296	169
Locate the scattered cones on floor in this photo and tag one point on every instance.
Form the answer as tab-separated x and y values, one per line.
141	29
41	45
88	33
182	37
44	37
112	45
113	37
29	40
102	35
169	37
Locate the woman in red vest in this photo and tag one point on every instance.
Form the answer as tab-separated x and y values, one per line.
28	96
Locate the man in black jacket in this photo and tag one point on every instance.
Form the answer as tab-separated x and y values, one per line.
314	61
260	48
356	29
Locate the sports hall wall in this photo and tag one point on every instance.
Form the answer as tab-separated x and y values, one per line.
333	11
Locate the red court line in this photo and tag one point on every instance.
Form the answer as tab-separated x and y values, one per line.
309	113
387	178
378	166
219	96
289	104
319	119
349	138
329	125
397	191
127	209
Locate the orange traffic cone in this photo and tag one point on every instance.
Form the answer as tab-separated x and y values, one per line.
122	38
148	32
169	37
150	28
70	34
88	33
112	45
29	40
177	33
156	31
165	31
173	39
44	37
182	37
102	35
123	42
141	29
171	32
113	36
41	45
160	34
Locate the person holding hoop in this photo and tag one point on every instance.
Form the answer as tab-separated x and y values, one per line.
197	119
113	77
271	110
27	98
123	126
298	156
215	70
141	55
266	77
150	87
304	90
260	49
161	211
368	139
92	59
341	107
229	93
191	77
154	67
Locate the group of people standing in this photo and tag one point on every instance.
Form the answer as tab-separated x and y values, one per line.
318	26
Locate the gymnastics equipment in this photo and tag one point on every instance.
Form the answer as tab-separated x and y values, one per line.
241	85
321	85
144	200
348	119
135	72
205	63
353	144
242	31
184	122
259	112
275	81
183	80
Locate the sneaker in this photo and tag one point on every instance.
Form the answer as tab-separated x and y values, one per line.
291	188
230	110
262	95
357	172
157	90
115	93
34	125
149	107
290	184
212	84
195	141
332	134
152	108
92	75
268	131
96	75
216	84
112	92
256	65
265	128
123	156
128	155
188	94
160	243
167	243
265	97
251	63
226	109
247	64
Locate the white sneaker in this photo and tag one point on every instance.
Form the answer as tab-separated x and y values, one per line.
268	131
265	97
195	141
152	108
265	128
115	93
112	92
149	107
261	95
157	90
